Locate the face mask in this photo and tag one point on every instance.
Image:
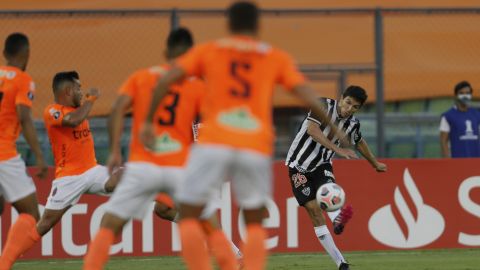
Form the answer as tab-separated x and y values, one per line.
464	98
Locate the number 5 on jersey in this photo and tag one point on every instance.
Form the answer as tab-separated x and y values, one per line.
235	69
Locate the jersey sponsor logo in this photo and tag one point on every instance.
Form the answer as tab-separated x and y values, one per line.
424	224
165	144
306	191
239	119
80	134
299	180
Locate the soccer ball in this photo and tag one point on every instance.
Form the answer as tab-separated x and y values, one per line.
330	197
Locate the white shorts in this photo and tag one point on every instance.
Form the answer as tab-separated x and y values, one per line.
15	183
66	191
211	165
140	183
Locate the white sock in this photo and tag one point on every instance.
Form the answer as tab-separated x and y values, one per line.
176	218
326	240
236	250
332	215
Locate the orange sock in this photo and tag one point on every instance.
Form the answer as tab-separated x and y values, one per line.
220	247
98	251
21	237
207	227
194	251
254	250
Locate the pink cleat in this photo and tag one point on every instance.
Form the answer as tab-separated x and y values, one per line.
339	222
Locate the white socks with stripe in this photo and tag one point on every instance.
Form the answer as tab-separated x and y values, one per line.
326	240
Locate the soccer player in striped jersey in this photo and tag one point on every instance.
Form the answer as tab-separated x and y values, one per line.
309	162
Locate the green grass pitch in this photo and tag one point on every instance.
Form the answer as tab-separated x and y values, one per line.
445	259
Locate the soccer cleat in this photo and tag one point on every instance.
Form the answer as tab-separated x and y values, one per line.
344	266
339	222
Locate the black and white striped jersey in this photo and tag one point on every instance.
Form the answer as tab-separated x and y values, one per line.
305	154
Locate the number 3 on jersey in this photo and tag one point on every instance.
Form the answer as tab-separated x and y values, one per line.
170	109
235	69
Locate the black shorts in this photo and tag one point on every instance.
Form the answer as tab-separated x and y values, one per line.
305	185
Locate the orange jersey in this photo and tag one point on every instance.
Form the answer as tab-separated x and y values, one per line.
241	74
173	118
16	87
73	148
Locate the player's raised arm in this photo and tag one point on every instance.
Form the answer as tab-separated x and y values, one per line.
25	117
76	117
316	133
363	148
115	128
172	76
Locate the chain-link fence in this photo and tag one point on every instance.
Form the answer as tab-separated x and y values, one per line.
401	54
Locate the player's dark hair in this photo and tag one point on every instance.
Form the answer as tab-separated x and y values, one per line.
14	43
62	77
179	37
356	92
242	17
462	85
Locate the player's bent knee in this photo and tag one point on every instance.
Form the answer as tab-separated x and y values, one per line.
164	211
113	222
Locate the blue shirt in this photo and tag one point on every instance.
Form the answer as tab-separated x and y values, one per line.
463	132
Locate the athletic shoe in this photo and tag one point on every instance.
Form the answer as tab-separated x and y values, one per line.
339	222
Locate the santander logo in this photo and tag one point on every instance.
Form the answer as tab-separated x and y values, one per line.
408	222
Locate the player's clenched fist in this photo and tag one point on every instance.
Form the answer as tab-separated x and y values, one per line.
92	94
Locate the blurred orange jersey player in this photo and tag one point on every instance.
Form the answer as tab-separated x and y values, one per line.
173	129
16	95
236	140
17	88
241	73
159	168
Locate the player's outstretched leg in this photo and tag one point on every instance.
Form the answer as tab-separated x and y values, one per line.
98	250
321	230
23	233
